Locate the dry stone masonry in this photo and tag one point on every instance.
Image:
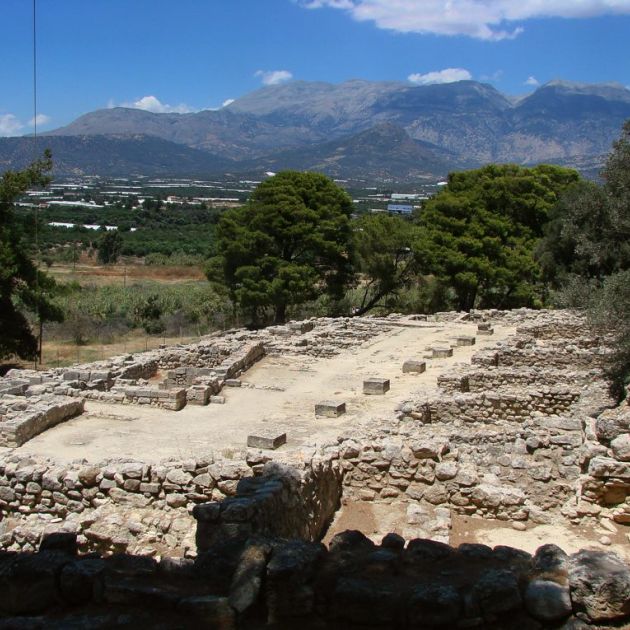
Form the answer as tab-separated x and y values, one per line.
525	433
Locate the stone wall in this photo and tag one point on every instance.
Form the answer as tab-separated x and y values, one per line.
23	418
464	379
283	501
487	407
293	583
604	488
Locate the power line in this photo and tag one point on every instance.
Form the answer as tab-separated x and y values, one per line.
35	156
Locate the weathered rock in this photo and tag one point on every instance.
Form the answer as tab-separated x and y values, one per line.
621	447
600	584
214	611
434	605
497	593
547	601
612	423
247	580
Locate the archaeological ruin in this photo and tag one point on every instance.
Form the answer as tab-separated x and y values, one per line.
460	470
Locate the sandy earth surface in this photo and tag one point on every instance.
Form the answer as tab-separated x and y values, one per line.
377	519
281	392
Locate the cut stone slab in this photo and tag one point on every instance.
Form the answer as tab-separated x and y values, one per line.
269	439
484	326
375	386
485	329
414	366
330	408
441	353
465	340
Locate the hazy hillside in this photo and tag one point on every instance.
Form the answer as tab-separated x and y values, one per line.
111	156
384	152
319	126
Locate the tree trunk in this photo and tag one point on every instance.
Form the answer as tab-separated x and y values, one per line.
281	313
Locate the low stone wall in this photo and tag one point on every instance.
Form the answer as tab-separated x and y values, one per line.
33	485
604	489
464	378
22	419
506	471
284	501
289	584
488	407
551	355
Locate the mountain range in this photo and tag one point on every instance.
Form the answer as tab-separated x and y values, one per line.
357	129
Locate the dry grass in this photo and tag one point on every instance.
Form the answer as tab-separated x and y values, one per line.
62	353
89	273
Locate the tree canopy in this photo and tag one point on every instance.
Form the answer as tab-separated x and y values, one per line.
23	287
589	231
109	246
384	258
478	234
586	253
290	243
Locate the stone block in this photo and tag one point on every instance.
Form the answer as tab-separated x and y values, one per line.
441	352
465	340
414	366
375	386
198	395
485	329
484	326
232	382
330	408
217	400
268	439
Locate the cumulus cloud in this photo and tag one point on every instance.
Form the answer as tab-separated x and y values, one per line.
40	119
273	77
154	105
491	20
10	125
448	75
533	81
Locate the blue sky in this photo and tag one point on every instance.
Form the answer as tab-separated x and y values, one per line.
187	55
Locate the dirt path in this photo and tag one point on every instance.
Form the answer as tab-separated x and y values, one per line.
279	391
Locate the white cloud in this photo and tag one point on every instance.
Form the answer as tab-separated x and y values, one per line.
10	125
482	19
448	75
41	120
273	77
154	105
227	102
492	78
533	81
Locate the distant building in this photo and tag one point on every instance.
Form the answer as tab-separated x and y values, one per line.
396	208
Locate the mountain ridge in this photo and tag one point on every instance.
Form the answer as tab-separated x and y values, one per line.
464	122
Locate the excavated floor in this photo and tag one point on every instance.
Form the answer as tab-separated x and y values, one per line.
279	391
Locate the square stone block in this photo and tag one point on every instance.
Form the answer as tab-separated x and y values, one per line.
270	439
484	326
465	340
441	353
330	408
414	366
486	331
375	386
